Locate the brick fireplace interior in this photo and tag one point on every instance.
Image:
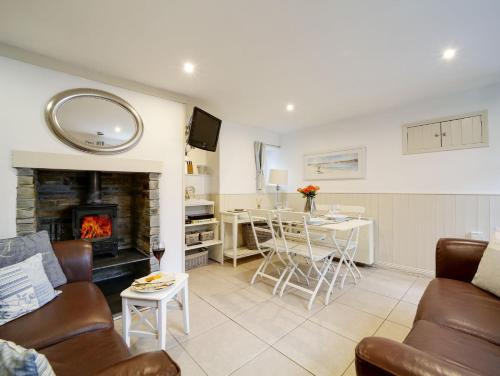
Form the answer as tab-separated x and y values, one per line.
122	221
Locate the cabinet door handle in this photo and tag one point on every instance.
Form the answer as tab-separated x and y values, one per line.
444	134
436	135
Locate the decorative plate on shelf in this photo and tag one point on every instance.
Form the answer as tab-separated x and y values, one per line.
156	281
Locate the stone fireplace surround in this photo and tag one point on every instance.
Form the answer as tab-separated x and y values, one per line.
41	177
46	198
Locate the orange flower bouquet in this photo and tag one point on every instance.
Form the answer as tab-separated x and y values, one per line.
309	191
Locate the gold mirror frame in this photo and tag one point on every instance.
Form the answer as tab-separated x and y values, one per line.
58	100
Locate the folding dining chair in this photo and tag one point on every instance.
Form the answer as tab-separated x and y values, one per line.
298	245
261	222
350	245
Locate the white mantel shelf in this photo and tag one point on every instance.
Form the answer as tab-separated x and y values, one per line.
84	162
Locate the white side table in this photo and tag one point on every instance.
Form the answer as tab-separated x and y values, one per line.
132	301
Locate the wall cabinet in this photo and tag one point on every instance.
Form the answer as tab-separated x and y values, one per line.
450	133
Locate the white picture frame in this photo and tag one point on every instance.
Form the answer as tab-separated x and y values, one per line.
336	164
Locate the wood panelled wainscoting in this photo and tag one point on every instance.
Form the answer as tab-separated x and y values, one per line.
407	225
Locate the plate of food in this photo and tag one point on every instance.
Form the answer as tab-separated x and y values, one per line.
153	282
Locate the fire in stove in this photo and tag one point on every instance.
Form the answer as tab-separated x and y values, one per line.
96	226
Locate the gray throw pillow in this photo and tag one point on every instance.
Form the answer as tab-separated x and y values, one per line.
18	249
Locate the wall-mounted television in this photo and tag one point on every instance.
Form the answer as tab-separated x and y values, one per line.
204	130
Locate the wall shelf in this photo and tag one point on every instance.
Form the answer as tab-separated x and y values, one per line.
197	207
202	223
207	243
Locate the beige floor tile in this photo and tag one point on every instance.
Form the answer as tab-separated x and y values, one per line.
351	371
269	321
416	291
139	345
236	301
347	321
393	286
241	279
187	365
206	284
296	301
369	302
203	317
403	314
271	363
226	269
264	287
224	349
396	273
393	331
317	349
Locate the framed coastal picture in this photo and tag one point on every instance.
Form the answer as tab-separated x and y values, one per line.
335	165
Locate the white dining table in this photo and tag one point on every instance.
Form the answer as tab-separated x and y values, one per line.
331	228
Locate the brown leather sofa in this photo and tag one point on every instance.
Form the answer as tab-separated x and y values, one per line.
75	330
456	330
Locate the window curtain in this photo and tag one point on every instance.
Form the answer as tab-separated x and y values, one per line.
260	156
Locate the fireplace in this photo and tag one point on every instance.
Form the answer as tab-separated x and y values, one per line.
117	211
96	223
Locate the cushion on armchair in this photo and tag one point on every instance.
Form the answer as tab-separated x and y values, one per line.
488	272
18	361
18	249
24	287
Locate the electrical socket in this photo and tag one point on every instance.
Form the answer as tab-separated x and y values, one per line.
475	235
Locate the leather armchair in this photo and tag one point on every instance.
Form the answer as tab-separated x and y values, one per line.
458	258
75	258
148	364
455	331
377	356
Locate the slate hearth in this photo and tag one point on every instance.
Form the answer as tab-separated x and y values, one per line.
46	200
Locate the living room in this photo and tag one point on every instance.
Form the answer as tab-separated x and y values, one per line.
280	188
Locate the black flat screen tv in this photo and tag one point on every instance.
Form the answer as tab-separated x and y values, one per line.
204	132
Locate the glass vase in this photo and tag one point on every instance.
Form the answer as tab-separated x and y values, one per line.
310	206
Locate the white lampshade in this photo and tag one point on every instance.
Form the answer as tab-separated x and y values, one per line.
278	177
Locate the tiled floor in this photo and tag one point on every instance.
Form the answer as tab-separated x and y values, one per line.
241	329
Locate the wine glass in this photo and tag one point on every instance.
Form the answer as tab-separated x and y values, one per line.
158	250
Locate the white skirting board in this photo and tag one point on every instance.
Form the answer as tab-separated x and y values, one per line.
404	268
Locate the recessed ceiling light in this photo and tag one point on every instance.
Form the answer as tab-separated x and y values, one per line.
188	67
117	129
290	107
449	53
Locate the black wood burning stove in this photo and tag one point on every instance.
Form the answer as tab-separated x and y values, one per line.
95	221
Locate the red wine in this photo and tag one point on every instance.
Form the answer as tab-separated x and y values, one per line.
158	253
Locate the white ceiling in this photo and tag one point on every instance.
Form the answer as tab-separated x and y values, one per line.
332	59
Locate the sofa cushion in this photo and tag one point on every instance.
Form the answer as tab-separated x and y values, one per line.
86	354
18	249
461	306
488	272
17	293
24	287
16	361
80	308
455	346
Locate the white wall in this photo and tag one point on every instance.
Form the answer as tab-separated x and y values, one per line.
24	91
237	162
474	171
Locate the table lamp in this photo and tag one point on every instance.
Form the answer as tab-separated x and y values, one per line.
278	177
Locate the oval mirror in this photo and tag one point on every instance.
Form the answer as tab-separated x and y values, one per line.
94	121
